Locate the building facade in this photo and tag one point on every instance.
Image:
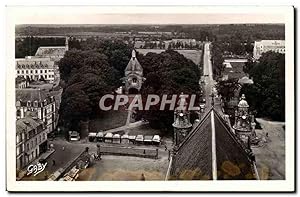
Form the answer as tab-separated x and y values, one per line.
31	140
35	68
264	46
133	79
182	125
21	82
244	125
38	102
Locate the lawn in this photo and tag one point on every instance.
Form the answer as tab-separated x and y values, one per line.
109	120
194	55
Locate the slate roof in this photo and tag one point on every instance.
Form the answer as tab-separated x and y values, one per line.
34	63
51	51
27	124
133	65
30	94
193	158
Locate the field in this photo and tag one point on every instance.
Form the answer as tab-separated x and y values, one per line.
194	55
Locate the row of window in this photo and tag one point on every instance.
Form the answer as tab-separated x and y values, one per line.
37	76
32	66
31	71
36	141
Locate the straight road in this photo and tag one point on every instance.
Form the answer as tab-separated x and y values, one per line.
208	75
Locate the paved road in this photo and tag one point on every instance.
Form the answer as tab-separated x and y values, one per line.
208	75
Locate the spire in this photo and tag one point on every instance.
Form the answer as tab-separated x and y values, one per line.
67	43
133	55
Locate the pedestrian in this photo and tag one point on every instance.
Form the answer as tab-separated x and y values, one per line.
53	162
143	177
166	148
63	148
144	151
267	134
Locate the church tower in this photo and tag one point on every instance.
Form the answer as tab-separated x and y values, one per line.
244	125
67	43
133	79
182	125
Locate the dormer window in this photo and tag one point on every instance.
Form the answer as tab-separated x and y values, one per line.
28	104
35	104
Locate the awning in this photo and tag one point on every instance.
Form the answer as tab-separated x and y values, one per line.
148	138
132	137
109	135
126	136
156	138
100	134
116	136
92	134
139	138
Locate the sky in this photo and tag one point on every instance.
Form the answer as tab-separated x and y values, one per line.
148	15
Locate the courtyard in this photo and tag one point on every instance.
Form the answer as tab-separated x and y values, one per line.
270	155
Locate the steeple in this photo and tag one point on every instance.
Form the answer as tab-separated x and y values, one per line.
182	125
67	43
244	125
133	55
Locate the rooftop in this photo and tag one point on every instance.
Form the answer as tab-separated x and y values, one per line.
51	51
211	151
27	124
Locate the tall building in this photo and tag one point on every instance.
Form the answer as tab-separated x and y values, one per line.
244	124
182	125
264	46
133	79
38	102
31	140
35	68
211	151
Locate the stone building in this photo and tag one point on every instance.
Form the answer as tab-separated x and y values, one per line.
31	140
39	102
35	68
264	46
21	82
182	125
244	124
133	79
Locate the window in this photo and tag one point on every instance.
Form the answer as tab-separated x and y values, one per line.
18	113
22	71
26	71
41	71
36	71
28	104
31	71
45	71
18	72
18	138
45	76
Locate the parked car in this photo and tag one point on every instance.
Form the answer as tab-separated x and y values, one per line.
92	137
156	139
148	139
139	139
74	136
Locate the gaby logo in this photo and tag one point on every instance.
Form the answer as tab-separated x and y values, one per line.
36	169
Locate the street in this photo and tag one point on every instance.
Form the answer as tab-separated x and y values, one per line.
208	75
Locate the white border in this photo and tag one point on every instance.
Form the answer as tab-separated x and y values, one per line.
55	15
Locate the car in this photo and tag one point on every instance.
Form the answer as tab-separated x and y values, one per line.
74	136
